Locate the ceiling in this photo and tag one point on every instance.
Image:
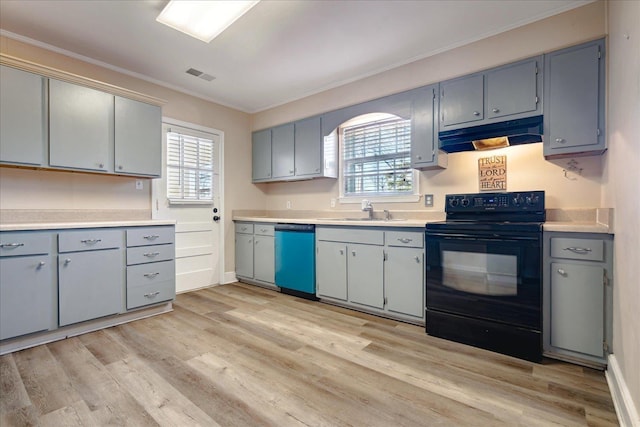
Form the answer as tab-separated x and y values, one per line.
278	52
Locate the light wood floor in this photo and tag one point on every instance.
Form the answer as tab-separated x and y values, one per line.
238	355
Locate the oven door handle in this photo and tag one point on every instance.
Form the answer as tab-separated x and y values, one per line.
483	237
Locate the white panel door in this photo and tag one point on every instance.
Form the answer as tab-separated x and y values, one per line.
199	251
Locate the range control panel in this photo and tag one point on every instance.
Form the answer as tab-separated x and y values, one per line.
500	202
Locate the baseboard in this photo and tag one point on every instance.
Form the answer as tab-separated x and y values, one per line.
230	277
626	410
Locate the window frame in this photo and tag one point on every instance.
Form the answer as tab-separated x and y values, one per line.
413	196
197	170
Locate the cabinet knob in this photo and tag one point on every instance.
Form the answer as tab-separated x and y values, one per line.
120	167
41	264
290	171
476	113
67	261
419	157
101	165
353	253
560	140
562	272
341	251
317	169
417	259
496	110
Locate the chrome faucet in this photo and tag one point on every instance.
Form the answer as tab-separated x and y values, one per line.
367	207
387	215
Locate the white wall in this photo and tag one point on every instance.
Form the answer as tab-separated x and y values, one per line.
622	183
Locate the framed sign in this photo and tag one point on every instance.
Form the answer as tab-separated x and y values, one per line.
492	173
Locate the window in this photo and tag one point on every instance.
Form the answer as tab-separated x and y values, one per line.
189	168
376	157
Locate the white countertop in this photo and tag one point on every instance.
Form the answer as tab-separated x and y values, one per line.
87	224
577	227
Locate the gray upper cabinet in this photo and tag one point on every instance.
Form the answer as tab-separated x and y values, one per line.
424	140
308	147
282	151
461	101
138	138
512	91
80	127
574	96
23	119
261	155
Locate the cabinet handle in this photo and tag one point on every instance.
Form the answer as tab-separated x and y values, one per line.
404	239
476	113
151	275
151	254
11	245
152	294
341	251
562	272
91	241
496	110
353	253
578	250
151	237
264	230
560	140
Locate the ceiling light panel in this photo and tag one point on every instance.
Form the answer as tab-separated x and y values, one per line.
203	20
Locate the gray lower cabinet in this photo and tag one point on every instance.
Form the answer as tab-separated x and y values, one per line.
331	270
404	278
577	296
574	90
138	138
23	117
80	127
150	266
27	284
90	274
255	253
379	270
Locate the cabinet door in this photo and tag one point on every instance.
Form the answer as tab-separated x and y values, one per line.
138	138
365	275
80	127
512	89
244	255
308	146
574	100
423	141
282	146
404	281
462	101
90	285
331	271
577	308
22	117
26	295
264	258
261	155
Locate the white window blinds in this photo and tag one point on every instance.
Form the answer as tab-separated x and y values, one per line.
377	158
189	168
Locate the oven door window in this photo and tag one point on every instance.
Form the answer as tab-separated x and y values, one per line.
480	273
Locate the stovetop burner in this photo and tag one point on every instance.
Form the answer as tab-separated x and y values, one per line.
507	207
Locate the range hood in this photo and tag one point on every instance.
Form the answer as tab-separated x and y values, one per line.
520	131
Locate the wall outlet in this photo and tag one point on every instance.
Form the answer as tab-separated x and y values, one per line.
288	204
333	203
139	184
428	200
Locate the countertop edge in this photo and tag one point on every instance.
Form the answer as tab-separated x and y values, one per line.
87	224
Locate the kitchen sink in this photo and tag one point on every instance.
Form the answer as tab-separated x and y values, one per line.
362	219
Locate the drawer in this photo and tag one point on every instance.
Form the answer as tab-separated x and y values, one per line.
264	229
150	293
408	239
144	254
244	227
350	235
585	249
145	274
89	240
24	243
143	236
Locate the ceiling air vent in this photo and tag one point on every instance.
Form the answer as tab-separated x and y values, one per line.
200	74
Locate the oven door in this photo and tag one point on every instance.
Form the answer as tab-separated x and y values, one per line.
485	275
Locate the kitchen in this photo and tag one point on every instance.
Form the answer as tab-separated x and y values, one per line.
600	185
